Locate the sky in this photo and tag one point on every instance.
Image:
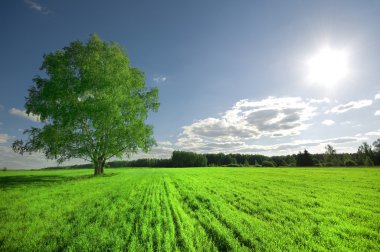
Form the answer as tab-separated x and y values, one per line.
260	77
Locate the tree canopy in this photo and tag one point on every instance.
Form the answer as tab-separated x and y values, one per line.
304	159
92	103
331	159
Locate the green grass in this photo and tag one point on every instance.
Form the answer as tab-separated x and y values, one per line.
192	209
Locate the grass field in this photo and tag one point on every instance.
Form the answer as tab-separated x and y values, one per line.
191	209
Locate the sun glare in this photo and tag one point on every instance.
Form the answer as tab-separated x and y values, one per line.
328	67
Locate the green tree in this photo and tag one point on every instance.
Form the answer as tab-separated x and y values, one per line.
365	154
376	151
330	156
376	145
92	103
268	163
246	163
188	159
304	159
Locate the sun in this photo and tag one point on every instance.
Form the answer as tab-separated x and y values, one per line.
328	67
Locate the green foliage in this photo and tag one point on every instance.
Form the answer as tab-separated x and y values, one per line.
92	103
233	165
221	159
304	159
350	162
268	163
188	159
368	161
376	151
376	145
210	209
330	157
246	163
365	155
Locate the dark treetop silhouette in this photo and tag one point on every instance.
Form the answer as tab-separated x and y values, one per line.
92	103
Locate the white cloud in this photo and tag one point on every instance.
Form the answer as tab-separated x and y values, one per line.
377	113
350	106
328	122
324	100
23	114
164	143
248	120
4	138
37	7
160	79
377	96
163	149
373	133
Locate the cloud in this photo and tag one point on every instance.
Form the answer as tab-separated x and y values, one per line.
12	160
37	7
163	149
350	106
317	101
377	96
248	120
23	114
160	79
373	133
4	138
328	122
377	113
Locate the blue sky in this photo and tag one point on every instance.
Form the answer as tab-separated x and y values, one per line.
234	76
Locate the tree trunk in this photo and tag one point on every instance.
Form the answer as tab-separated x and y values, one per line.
99	166
103	163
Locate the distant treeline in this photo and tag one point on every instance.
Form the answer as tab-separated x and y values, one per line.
365	156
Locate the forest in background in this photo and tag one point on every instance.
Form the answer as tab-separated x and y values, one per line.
366	155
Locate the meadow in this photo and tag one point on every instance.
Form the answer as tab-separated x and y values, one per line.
191	209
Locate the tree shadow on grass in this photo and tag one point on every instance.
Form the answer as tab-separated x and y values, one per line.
42	180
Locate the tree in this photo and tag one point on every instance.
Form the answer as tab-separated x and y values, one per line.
330	156
304	159
376	151
246	163
365	154
92	103
268	163
376	145
188	159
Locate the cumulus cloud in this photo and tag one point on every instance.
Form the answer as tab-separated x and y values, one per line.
4	138
23	114
317	101
377	113
373	133
350	106
160	79
247	120
163	149
37	7
288	147
377	96
328	122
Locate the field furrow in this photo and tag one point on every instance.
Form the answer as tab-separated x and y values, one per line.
205	209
